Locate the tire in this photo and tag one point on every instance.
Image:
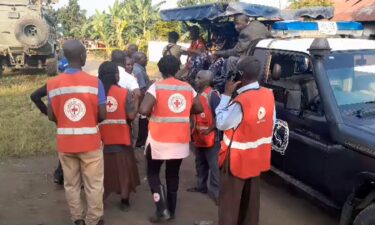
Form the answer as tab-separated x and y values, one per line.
32	32
366	216
51	66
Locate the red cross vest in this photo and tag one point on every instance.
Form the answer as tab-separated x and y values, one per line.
250	142
204	121
115	130
74	101
170	118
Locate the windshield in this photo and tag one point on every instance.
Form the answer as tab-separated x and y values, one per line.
352	76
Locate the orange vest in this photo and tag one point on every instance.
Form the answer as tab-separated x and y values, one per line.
204	121
74	100
115	130
250	142
170	118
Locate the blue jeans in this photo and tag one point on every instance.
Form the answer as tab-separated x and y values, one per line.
207	166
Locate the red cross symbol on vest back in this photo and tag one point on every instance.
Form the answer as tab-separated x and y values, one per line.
177	103
109	104
74	109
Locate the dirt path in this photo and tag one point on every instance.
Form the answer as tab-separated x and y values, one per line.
28	197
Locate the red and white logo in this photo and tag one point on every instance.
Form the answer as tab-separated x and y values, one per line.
177	103
74	109
261	113
111	104
203	115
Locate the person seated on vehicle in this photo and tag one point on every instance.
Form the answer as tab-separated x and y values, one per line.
250	33
197	54
173	48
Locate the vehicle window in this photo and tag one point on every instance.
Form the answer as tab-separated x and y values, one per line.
352	76
291	78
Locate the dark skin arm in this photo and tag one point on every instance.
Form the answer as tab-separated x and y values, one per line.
197	106
102	112
51	115
37	96
131	108
147	105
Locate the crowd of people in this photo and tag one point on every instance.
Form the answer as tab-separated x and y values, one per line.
100	120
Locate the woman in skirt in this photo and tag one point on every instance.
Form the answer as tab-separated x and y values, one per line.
120	168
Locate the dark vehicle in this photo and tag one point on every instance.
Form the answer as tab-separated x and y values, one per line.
324	91
28	36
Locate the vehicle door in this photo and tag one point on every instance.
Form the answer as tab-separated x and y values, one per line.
297	102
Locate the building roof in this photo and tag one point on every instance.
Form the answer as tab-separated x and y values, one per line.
354	10
303	44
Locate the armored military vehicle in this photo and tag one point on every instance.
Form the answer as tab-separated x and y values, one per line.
27	36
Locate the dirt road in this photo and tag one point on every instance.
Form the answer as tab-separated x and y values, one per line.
28	197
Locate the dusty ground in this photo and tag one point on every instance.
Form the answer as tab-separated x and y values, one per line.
28	197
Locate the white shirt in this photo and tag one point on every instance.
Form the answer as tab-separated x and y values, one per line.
165	151
127	80
230	116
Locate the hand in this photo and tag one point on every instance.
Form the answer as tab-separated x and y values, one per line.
230	87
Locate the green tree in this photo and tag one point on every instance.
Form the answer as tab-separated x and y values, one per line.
72	18
183	3
297	4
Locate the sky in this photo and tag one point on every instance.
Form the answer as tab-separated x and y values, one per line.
91	5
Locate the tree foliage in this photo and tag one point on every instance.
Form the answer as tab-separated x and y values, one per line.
71	18
297	4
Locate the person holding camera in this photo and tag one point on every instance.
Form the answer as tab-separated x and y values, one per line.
247	122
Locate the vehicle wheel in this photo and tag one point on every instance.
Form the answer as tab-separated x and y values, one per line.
366	216
32	32
51	67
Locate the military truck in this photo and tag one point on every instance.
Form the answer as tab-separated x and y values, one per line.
27	36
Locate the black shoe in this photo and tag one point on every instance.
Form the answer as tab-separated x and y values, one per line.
58	176
79	222
162	212
125	205
195	189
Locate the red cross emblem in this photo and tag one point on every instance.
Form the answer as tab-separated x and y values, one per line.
109	104
75	110
177	103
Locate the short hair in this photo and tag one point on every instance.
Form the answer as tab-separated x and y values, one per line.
242	17
169	66
173	36
250	66
194	28
118	56
138	56
107	74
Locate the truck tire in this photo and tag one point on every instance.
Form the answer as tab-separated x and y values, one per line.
32	32
366	216
51	66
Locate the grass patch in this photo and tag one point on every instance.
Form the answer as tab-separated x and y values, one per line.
153	70
24	131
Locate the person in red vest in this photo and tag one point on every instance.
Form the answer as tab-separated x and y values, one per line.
77	103
120	168
247	122
169	104
205	137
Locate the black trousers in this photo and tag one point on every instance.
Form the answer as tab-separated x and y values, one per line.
142	132
239	200
172	171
